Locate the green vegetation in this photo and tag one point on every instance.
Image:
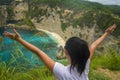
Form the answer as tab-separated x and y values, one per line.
7	73
28	21
95	75
109	60
115	9
15	70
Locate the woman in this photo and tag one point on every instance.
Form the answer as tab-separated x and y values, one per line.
76	50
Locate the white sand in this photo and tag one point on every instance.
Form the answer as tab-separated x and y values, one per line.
56	36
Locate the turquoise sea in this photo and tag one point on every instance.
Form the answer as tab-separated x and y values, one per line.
14	52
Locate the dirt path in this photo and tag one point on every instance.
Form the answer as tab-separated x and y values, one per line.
114	75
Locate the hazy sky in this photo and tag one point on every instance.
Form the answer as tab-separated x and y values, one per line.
108	2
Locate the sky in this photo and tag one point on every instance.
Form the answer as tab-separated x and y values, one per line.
107	2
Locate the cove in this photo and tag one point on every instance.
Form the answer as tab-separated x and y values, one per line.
13	52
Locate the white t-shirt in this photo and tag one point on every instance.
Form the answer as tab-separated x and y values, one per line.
63	72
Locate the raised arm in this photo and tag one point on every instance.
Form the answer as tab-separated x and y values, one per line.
96	43
45	58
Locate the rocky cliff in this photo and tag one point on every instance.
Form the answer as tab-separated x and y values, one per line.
67	18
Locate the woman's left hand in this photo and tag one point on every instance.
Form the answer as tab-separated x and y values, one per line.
13	36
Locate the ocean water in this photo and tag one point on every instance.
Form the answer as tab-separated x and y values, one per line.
13	52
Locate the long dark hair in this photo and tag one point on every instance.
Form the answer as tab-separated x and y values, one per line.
79	53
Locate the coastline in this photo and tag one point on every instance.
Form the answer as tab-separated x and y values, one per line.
56	36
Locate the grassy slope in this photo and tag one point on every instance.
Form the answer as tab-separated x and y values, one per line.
109	60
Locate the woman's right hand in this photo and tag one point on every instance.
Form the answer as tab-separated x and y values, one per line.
13	36
111	28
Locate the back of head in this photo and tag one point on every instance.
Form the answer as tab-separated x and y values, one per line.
79	53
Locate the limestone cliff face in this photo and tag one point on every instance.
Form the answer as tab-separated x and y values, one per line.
51	23
20	11
3	15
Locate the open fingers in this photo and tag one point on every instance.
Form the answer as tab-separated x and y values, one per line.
7	33
15	31
113	26
10	35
